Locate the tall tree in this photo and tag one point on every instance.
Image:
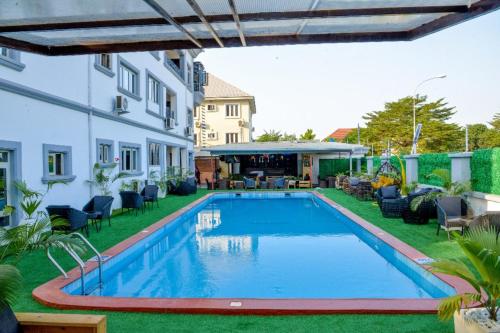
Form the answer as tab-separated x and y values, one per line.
308	135
395	123
478	136
270	136
493	137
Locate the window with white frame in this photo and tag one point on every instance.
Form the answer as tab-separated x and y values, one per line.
105	60
211	107
232	111
189	75
212	136
171	105
189	115
231	137
129	80
56	164
129	159
11	58
154	153
104	154
153	90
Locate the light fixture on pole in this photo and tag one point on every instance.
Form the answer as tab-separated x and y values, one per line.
415	96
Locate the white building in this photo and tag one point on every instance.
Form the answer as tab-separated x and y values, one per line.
60	115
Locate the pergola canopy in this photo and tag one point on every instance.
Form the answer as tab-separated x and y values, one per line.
64	27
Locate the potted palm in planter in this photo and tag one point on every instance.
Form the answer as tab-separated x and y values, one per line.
14	243
477	311
103	178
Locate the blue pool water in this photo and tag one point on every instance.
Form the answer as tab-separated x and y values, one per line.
263	245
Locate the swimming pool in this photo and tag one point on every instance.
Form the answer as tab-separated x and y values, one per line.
263	246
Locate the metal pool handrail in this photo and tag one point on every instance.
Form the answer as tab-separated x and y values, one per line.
78	260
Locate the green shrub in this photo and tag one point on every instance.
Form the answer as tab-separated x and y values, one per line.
430	162
331	167
485	170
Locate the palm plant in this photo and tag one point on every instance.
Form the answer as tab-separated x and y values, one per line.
103	178
19	240
32	199
450	188
481	269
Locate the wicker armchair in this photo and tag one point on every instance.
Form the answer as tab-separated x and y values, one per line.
487	219
425	211
390	202
452	214
364	191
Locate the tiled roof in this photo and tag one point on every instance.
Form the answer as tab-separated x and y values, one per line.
339	134
220	88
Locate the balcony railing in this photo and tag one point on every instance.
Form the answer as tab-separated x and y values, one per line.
200	77
174	66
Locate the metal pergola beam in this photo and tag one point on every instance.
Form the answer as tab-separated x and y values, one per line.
236	19
197	9
249	17
163	13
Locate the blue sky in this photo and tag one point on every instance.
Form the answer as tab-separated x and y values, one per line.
327	86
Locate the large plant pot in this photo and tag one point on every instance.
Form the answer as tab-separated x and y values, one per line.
8	321
475	321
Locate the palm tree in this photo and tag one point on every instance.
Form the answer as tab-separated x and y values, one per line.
17	241
449	188
481	269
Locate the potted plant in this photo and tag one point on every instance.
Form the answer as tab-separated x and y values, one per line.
477	311
160	181
31	200
103	178
14	243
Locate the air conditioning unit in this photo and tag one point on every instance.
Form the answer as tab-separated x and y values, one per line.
241	123
197	124
121	104
189	131
169	123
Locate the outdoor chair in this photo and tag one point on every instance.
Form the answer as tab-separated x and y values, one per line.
76	219
222	184
425	211
184	187
364	190
248	183
487	219
132	200
390	202
279	183
150	194
451	214
331	182
98	209
263	184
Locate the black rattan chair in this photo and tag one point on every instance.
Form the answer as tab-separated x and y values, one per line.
150	194
76	219
132	200
390	202
425	211
98	209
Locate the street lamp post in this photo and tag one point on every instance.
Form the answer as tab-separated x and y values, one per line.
414	148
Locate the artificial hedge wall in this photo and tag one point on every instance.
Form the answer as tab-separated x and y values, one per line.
485	170
429	162
377	162
331	167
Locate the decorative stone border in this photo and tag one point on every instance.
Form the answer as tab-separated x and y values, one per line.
50	293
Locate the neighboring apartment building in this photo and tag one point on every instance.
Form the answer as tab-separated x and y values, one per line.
225	116
60	115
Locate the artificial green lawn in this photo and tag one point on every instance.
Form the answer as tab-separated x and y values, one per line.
36	270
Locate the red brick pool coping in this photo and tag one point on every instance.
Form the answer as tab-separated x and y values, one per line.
50	293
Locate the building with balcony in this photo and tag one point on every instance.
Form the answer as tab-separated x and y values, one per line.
61	115
224	116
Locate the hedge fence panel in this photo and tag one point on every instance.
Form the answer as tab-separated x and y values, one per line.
429	162
331	167
485	170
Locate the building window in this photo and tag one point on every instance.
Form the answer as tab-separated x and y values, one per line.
154	154
128	79
189	115
57	163
195	139
231	137
171	105
130	158
104	152
232	110
11	58
154	90
189	75
105	60
211	107
104	63
195	112
212	136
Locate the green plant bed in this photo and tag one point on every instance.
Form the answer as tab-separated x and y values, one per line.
430	162
485	170
37	270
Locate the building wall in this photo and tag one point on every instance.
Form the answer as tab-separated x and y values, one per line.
66	101
207	122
